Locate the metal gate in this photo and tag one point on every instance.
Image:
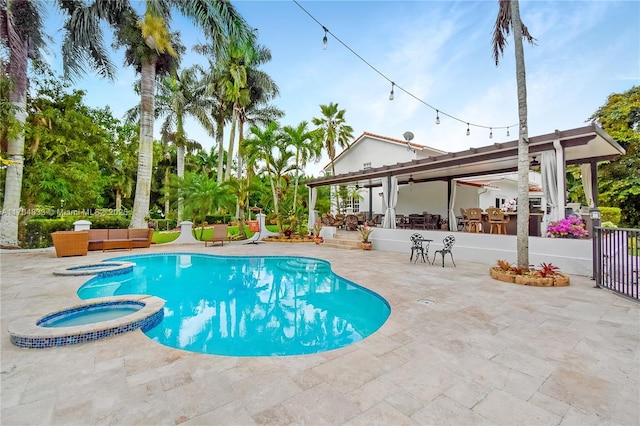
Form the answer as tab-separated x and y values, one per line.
617	260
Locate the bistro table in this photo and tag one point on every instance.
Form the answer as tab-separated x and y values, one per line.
419	248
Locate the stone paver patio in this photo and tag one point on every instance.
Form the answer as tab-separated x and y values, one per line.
486	352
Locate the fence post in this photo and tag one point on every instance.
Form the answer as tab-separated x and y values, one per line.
596	236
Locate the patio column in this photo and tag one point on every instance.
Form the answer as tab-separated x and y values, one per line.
561	176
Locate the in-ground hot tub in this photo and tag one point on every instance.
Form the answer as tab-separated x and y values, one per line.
96	319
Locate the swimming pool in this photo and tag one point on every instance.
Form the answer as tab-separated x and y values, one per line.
248	305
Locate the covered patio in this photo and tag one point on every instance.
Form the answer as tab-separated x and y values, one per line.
585	146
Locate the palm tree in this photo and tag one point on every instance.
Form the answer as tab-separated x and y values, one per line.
151	50
333	130
306	144
21	33
178	98
241	189
202	196
260	146
509	18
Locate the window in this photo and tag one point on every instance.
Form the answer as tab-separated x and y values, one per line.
366	165
353	204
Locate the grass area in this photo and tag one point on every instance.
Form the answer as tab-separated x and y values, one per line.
167	237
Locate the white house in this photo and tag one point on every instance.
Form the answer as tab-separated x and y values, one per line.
373	151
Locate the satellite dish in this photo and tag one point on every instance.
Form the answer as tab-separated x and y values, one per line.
407	136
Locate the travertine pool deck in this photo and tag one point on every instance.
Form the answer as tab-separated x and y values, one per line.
485	352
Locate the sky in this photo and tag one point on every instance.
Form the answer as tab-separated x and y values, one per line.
440	52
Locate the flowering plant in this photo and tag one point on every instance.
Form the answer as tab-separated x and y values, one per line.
365	231
569	227
317	227
510	205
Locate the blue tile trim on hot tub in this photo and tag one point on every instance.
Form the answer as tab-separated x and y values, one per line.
144	324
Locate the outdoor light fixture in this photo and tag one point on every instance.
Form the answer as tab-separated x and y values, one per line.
324	39
411	181
468	131
437	117
490	133
534	163
595	214
391	94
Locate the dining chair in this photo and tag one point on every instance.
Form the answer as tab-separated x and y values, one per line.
417	247
474	215
497	220
448	243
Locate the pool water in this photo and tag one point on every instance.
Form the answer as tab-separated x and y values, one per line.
248	306
89	315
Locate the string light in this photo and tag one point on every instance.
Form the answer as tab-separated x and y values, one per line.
324	46
391	94
508	134
490	133
325	41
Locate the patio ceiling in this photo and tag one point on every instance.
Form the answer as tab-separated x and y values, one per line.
581	145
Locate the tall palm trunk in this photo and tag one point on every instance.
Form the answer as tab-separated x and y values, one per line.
232	136
180	171
523	141
13	180
219	141
15	149
145	149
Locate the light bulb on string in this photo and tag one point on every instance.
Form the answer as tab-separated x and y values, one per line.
391	94
437	117
468	131
324	39
508	134
490	133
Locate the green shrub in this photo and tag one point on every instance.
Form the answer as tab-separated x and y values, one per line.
38	231
611	214
218	218
164	224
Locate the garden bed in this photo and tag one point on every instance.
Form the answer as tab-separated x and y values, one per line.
557	280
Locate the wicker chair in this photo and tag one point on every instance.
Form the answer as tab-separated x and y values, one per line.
70	243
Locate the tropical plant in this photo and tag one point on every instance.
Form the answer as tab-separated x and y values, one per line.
365	232
21	32
317	228
203	196
241	189
509	19
306	146
333	130
571	226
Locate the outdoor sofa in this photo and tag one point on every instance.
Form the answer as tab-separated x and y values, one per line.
70	243
105	239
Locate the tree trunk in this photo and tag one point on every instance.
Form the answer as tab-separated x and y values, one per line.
118	199
180	171
232	136
219	141
145	149
523	142
13	180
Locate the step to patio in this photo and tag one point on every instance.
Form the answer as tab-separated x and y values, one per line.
348	240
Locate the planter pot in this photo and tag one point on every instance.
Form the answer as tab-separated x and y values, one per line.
319	240
560	280
534	281
366	246
500	275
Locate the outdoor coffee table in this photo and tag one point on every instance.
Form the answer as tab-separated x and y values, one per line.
117	244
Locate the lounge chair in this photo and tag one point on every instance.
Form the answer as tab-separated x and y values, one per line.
219	235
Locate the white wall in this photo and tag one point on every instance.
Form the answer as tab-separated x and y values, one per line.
377	152
571	256
428	197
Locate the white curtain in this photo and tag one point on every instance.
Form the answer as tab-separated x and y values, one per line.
548	169
313	215
390	194
453	220
585	171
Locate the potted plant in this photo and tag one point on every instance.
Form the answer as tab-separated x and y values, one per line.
317	227
365	232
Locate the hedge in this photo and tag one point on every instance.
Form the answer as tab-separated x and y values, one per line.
218	218
611	214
